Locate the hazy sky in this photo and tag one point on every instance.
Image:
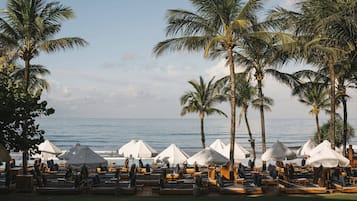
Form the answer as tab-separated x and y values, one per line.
118	76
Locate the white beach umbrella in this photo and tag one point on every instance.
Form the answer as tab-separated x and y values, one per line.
4	154
278	152
126	147
85	156
323	155
172	154
306	148
49	147
140	150
239	151
206	156
218	145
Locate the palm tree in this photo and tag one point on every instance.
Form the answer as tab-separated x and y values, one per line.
315	94
214	25
345	77
36	77
201	101
29	26
260	57
326	30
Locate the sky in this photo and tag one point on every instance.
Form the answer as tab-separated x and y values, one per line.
118	76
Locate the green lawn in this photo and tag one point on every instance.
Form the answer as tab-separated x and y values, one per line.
34	197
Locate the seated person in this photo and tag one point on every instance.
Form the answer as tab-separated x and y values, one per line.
241	171
147	168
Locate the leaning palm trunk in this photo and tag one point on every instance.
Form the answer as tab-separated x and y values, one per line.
332	96
233	107
251	140
318	128
344	103
203	140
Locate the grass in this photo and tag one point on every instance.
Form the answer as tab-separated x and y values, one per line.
35	197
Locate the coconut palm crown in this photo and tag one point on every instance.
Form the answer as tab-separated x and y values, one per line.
214	25
201	100
29	27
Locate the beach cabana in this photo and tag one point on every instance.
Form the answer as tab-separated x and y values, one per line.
85	156
218	145
140	150
239	152
48	151
323	155
172	154
126	147
306	148
206	156
4	154
278	152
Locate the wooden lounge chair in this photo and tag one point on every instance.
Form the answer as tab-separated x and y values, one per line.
345	189
249	189
176	189
291	188
58	189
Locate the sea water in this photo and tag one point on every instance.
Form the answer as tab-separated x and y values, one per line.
110	134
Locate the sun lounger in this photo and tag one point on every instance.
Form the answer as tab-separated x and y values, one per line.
291	188
345	189
249	189
176	189
58	189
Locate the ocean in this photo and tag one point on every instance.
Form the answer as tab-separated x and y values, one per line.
110	134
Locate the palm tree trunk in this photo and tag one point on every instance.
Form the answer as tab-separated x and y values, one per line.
26	80
259	77
262	119
251	140
344	103
203	140
233	106
332	97
318	128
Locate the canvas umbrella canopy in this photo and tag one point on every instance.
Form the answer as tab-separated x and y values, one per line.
206	156
48	151
140	150
68	154
4	154
218	145
172	154
85	156
126	147
305	149
323	155
239	152
278	152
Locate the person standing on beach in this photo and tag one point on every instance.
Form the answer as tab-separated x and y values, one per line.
132	175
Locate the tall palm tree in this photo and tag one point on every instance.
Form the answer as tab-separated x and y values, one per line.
215	24
314	94
201	101
260	57
327	30
345	77
29	26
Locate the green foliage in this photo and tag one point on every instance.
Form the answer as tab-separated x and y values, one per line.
325	132
18	113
